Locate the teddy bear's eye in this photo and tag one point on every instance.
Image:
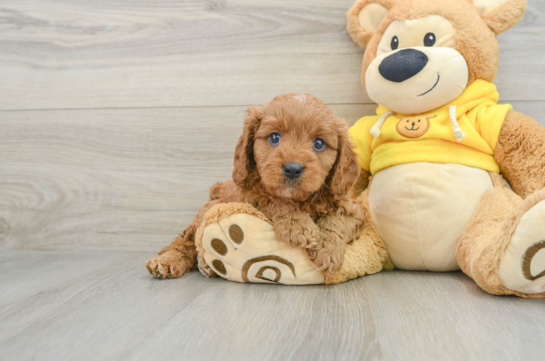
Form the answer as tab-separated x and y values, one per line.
274	139
429	39
395	43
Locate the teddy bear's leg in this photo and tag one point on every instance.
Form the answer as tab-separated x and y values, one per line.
237	242
503	247
522	267
367	254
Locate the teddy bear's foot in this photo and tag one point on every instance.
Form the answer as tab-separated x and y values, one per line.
239	244
522	267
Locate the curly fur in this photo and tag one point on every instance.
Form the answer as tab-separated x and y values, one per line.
313	211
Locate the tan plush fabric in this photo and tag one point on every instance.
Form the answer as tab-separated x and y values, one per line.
526	251
489	244
214	215
476	39
445	65
503	245
237	242
359	35
259	258
475	33
489	234
505	16
421	210
521	153
479	253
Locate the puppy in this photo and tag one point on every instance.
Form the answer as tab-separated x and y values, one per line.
294	162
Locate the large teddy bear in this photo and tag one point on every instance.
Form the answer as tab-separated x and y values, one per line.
439	144
433	161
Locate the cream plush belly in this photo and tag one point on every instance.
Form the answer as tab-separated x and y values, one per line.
420	211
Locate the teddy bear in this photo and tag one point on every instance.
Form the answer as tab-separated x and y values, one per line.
439	149
450	179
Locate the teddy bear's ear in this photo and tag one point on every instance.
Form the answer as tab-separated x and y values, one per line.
501	15
365	17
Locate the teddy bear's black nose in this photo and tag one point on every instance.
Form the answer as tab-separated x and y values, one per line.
403	65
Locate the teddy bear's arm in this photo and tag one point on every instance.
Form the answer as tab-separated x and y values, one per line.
520	153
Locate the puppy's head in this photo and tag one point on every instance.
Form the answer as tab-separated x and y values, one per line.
295	146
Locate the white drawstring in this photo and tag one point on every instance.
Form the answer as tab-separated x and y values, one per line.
458	133
375	130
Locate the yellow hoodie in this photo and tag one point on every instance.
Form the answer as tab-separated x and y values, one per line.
464	132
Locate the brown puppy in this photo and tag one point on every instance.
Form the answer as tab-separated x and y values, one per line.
295	163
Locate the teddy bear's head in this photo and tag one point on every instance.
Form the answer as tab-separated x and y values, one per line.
422	54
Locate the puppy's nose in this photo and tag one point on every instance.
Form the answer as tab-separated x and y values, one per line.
293	170
402	65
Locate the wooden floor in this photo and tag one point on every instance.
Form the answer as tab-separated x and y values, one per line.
115	118
99	305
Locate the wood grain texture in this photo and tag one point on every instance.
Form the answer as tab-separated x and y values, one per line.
113	179
104	306
59	54
125	179
115	118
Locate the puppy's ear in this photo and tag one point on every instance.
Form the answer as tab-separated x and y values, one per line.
244	163
364	17
501	15
346	170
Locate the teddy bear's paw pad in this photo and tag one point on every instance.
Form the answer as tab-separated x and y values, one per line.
243	248
523	265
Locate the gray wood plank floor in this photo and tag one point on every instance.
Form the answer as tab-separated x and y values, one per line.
98	305
115	118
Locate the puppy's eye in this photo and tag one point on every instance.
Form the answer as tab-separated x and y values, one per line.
274	139
395	43
318	144
429	39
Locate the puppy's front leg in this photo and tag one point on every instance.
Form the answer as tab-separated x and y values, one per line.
296	228
174	260
336	230
331	256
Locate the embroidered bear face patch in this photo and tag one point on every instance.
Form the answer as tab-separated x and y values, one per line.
414	127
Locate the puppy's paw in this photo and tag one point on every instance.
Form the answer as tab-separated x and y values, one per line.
303	237
167	265
298	231
329	258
